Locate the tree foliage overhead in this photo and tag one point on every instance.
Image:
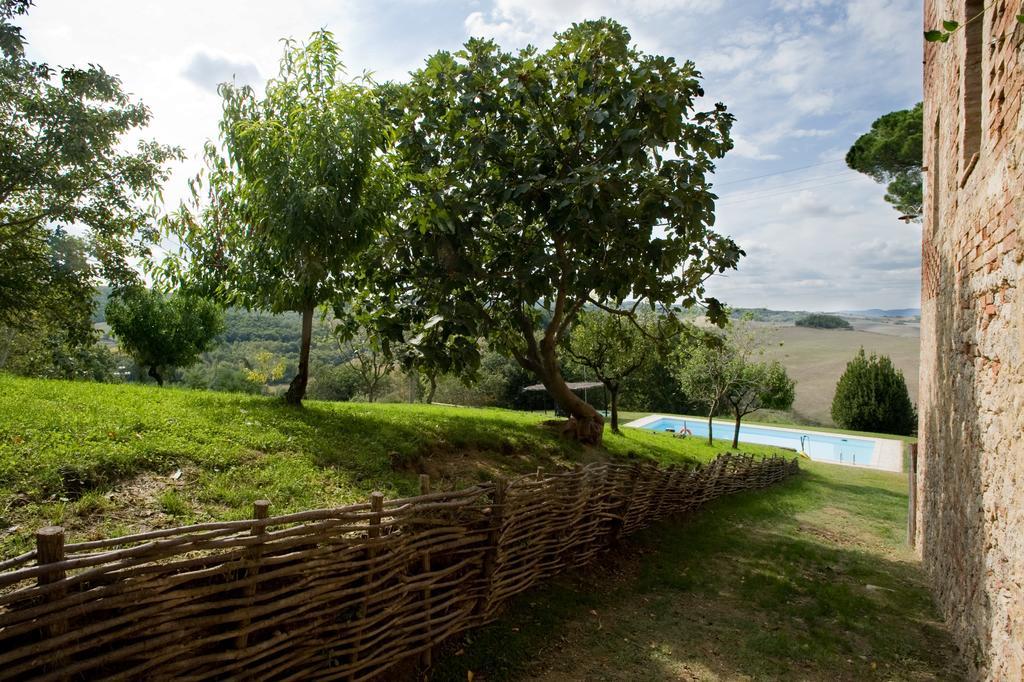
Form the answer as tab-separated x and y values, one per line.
295	193
63	162
872	396
162	332
543	181
891	153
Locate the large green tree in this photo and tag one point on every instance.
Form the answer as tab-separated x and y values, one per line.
872	396
544	181
891	153
163	332
297	189
65	161
613	347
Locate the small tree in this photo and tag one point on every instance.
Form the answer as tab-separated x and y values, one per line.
163	332
613	347
264	369
758	385
300	191
706	370
872	396
372	363
541	182
891	152
724	369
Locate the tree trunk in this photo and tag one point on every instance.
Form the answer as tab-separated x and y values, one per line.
156	375
736	432
711	415
585	423
433	388
297	389
614	390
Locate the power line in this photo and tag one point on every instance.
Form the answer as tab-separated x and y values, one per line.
750	192
792	191
768	175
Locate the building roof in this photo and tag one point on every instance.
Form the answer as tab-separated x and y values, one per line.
573	386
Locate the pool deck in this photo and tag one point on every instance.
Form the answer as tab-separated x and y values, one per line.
888	454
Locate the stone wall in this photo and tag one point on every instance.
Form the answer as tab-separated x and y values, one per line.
971	467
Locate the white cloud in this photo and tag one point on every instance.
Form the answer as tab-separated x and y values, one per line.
514	23
207	69
745	148
502	31
800	5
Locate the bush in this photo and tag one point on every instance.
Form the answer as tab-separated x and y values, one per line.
872	396
823	321
333	382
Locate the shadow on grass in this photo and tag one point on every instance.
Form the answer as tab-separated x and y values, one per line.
739	590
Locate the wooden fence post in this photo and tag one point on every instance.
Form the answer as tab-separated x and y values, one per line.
493	539
627	503
427	656
912	498
260	511
372	532
50	550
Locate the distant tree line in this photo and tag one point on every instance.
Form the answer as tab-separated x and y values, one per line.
823	321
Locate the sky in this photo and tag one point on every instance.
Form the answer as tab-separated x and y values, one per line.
804	79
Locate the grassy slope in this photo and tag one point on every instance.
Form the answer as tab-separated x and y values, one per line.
809	580
102	459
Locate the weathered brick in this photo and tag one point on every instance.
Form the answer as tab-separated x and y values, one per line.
971	467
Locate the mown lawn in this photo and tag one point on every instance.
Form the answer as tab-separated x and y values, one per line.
808	580
106	459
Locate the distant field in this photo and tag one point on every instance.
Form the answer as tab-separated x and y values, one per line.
816	358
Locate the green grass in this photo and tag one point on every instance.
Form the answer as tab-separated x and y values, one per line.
808	580
106	459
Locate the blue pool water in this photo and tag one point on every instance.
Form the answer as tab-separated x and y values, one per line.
818	446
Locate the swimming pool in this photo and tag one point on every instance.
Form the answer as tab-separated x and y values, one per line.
818	446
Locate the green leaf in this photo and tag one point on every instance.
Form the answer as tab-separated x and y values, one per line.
934	36
950	25
1020	18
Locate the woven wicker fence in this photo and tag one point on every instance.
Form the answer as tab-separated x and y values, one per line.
342	593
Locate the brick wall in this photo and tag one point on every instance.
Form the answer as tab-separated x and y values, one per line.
971	471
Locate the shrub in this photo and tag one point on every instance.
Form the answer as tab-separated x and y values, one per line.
823	321
872	396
